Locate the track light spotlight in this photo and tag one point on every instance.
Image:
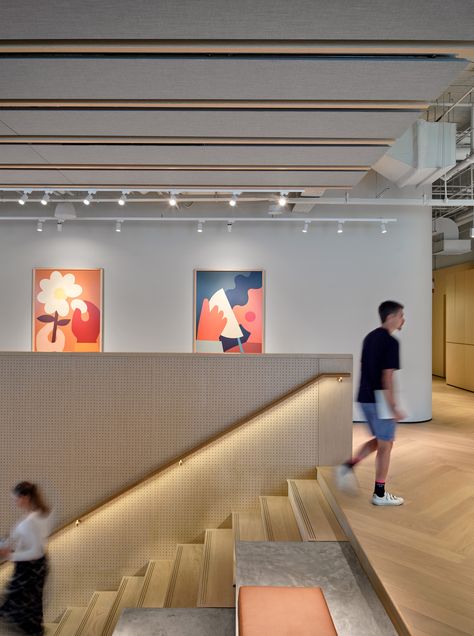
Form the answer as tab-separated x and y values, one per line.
282	201
123	199
383	228
59	225
233	201
472	232
340	227
173	201
39	226
45	199
118	226
229	226
200	227
305	227
23	199
87	200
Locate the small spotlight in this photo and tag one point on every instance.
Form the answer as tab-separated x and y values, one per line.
45	199
87	200
123	199
229	226
39	226
23	199
59	226
200	227
340	227
173	201
118	226
305	228
383	228
233	201
282	201
472	232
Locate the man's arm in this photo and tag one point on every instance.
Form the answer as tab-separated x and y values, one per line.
387	384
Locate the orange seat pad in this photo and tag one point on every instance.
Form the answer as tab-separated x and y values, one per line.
284	611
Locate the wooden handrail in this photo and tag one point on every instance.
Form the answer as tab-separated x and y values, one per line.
179	458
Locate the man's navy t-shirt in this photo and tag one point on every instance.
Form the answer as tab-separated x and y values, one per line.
380	351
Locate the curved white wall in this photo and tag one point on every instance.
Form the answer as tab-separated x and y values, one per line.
322	289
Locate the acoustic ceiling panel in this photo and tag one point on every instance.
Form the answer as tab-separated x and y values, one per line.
170	178
244	20
192	155
206	123
226	78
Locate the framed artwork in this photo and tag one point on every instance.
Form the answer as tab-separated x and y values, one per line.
228	311
67	310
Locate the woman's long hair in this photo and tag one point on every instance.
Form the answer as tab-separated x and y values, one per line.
27	489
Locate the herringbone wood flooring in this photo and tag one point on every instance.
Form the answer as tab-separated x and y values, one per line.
423	551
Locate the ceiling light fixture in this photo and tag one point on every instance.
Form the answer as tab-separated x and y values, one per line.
383	228
123	199
200	227
305	227
45	199
87	200
59	225
340	227
472	232
229	226
173	201
118	226
282	201
23	199
39	226
233	201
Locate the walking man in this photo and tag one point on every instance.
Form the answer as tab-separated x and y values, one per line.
380	359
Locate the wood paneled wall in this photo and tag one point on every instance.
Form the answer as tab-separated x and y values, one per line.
453	325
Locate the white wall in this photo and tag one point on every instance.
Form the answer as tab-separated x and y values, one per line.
322	289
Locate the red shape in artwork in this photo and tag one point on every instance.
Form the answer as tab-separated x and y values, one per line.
86	330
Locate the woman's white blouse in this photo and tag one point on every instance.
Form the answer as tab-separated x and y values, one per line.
30	536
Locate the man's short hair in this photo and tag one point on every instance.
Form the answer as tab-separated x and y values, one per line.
388	307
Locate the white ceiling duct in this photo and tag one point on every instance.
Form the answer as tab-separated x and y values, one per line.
421	155
65	211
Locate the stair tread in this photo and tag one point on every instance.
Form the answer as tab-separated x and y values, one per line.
183	585
317	521
96	614
128	594
155	584
278	519
69	623
216	587
248	526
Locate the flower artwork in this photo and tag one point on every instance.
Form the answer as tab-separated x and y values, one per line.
67	310
228	311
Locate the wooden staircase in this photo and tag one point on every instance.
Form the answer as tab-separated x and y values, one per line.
202	575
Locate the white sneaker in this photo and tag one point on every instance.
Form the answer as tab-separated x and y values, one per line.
346	479
387	500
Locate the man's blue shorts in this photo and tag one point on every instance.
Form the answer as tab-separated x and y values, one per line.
381	429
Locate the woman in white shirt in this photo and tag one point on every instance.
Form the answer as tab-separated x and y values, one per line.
23	602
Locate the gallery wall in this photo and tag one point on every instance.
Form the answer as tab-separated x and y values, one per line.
322	289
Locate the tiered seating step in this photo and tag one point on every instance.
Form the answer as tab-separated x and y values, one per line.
200	621
155	584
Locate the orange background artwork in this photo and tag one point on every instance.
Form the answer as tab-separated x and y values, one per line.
67	310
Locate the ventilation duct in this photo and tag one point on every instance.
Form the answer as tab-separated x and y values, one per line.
421	155
446	241
65	211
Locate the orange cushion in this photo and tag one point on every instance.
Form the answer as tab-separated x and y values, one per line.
284	611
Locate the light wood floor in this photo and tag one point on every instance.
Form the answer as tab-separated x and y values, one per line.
423	551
